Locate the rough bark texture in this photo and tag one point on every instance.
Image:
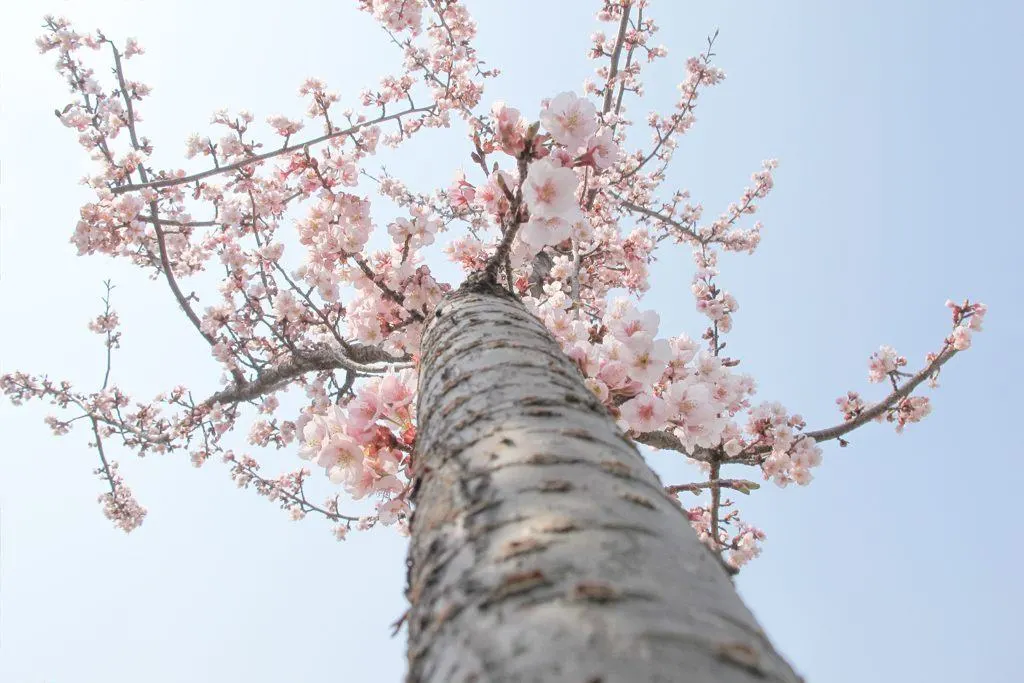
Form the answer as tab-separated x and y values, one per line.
543	546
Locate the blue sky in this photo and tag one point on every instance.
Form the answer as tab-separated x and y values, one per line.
897	128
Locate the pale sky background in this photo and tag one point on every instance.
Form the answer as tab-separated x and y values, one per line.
898	130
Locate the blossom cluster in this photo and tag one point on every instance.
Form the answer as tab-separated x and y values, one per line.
364	447
741	547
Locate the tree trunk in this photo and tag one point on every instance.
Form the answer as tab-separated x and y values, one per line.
543	546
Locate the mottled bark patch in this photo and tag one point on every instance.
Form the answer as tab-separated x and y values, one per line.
556	486
593	591
520	546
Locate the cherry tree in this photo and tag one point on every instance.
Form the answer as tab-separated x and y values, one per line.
495	419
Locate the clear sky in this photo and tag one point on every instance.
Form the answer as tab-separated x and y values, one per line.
897	127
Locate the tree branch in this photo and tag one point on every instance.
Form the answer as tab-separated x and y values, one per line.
613	69
668	441
630	206
876	410
171	182
355	359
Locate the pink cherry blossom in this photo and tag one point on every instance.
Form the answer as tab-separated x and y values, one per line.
571	120
602	149
461	192
398	15
539	232
689	402
511	128
884	362
644	413
550	191
961	338
646	362
397	389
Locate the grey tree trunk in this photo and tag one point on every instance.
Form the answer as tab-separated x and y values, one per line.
543	546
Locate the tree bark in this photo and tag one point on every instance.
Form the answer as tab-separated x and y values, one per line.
543	546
